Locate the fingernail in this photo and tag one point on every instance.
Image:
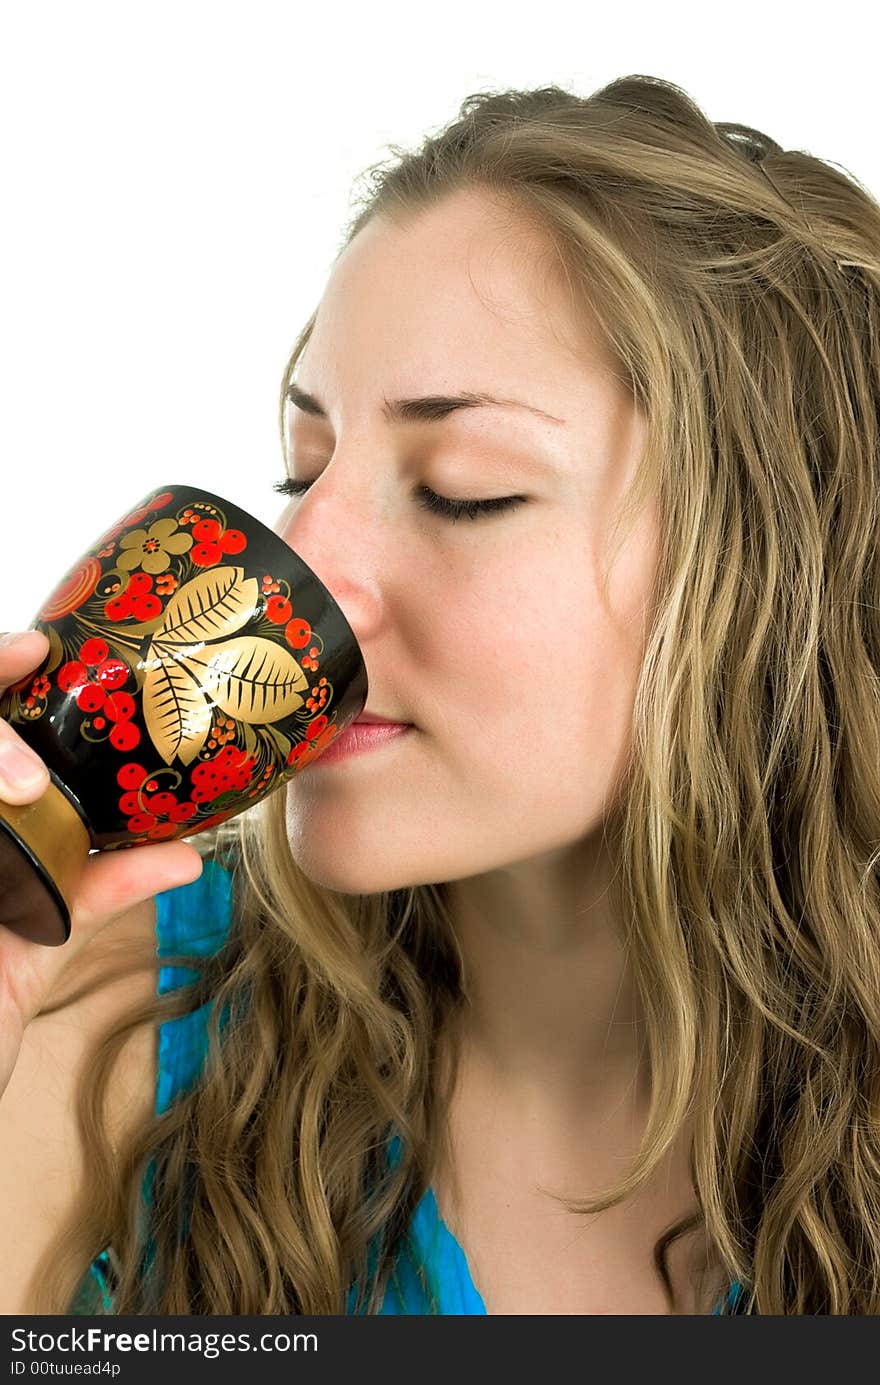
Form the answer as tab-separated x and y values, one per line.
18	768
13	637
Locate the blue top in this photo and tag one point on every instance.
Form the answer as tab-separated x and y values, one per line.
195	919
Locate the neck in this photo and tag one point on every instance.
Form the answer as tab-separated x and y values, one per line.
551	1017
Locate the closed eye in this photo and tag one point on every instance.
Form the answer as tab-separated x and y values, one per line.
428	499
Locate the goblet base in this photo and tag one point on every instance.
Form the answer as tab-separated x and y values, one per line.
43	849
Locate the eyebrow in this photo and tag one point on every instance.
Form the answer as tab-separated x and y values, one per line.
427	408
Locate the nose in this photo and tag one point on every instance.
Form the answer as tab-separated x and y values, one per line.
329	528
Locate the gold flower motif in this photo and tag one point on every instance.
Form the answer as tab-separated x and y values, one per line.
150	548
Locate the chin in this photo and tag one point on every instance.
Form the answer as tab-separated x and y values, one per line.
347	871
347	880
353	871
348	861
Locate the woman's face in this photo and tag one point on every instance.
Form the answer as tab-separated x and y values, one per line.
489	635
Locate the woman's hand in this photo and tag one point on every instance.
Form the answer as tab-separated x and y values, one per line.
111	881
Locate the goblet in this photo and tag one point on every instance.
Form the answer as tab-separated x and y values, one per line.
195	664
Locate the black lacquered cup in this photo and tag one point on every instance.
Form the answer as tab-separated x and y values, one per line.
195	664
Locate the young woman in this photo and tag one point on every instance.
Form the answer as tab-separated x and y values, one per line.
566	1000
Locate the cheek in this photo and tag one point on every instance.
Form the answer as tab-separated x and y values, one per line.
537	668
526	683
545	675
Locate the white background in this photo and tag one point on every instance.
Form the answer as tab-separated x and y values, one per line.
175	181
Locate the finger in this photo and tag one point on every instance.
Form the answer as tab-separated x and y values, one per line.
23	776
19	653
112	881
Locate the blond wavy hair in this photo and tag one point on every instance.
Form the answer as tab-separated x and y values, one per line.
738	287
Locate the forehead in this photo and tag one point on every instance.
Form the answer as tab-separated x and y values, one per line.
466	293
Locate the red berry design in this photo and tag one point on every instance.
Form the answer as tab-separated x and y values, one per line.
92	680
141	822
72	676
206	531
230	770
131	776
90	698
233	541
138	600
124	736
118	607
205	554
298	633
111	673
146	607
213	542
278	609
119	706
94	651
160	806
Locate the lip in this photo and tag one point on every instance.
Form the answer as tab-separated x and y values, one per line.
361	736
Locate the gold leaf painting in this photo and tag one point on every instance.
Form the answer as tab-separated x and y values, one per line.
177	716
210	606
252	679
